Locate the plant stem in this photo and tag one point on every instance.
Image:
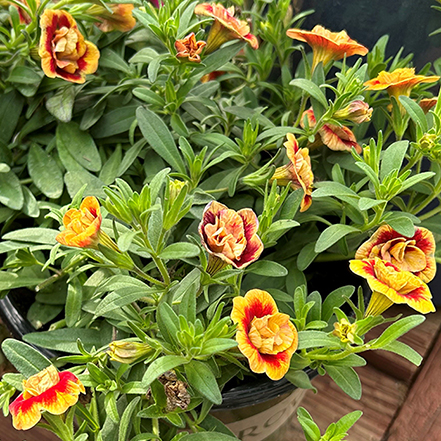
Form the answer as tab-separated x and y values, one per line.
145	276
430	213
155	426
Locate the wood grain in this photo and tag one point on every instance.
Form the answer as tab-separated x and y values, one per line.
419	418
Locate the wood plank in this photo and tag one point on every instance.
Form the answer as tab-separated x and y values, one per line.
420	339
419	418
382	396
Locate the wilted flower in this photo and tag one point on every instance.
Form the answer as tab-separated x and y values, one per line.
335	137
128	352
297	173
82	226
49	391
121	18
225	27
358	112
326	45
414	254
189	48
427	103
391	285
175	391
230	236
399	82
64	52
265	336
345	331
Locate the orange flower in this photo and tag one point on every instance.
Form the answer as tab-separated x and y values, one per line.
414	254
265	336
189	48
212	76
335	137
297	172
326	45
229	235
64	52
427	103
399	82
82	226
391	285
226	26
49	391
121	18
358	112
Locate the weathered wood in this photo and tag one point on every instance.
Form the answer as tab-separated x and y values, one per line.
420	339
382	396
419	418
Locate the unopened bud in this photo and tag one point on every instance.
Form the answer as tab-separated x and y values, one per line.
358	112
175	187
128	352
345	331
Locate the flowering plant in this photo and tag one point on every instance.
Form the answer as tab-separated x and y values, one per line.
176	177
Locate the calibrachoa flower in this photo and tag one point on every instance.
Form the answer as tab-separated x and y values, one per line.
212	76
189	48
50	391
345	331
427	103
297	173
225	27
391	285
23	15
335	137
128	352
358	112
265	336
414	254
82	226
399	82
64	52
326	45
121	18
230	236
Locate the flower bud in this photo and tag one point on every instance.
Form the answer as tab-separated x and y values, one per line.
128	352
358	112
175	187
345	331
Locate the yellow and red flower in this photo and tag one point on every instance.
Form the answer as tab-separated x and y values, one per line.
335	137
415	254
226	26
229	235
189	48
391	285
399	82
23	15
49	391
82	227
427	103
326	45
121	18
265	336
297	173
358	112
64	52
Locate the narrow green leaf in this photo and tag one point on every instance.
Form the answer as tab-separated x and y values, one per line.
311	89
201	377
347	379
161	365
332	235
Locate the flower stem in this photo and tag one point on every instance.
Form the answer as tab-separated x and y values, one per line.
145	276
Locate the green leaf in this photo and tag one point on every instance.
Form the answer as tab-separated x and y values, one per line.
396	330
168	322
352	360
34	235
267	268
332	235
208	436
74	301
313	339
329	188
413	180
365	204
11	193
130	156
159	137
415	112
393	157
347	379
306	256
109	171
161	365
65	340
311	89
201	377
114	122
61	104
27	360
110	59
45	172
76	179
400	348
149	96
336	299
180	250
345	423
11	105
402	225
300	379
30	205
215	345
126	419
80	145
